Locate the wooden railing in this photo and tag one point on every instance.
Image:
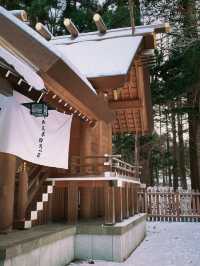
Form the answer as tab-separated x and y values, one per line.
169	205
107	165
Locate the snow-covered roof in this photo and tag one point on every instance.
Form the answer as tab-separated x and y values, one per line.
50	54
23	69
60	75
108	57
110	34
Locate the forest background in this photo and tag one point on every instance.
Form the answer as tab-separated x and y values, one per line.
170	156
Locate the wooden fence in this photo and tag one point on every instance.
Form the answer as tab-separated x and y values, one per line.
163	204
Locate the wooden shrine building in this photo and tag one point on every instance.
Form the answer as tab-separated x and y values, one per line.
101	78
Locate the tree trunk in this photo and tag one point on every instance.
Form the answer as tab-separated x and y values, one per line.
181	150
169	172
174	134
194	160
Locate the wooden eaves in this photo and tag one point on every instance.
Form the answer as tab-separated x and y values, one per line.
60	77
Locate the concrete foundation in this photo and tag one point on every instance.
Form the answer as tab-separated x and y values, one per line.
57	245
111	243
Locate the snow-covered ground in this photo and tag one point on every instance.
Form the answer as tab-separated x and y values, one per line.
166	244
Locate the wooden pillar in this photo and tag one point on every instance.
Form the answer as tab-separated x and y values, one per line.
87	203
135	190
125	202
131	200
109	205
72	203
118	204
101	202
86	148
22	195
7	188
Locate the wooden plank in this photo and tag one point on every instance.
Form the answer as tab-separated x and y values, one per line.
131	200
72	203
87	202
109	194
59	200
118	204
125	104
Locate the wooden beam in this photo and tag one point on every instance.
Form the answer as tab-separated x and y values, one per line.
125	104
72	29
43	31
5	87
164	28
108	82
100	23
7	189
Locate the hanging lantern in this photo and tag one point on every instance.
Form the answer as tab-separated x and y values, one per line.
37	109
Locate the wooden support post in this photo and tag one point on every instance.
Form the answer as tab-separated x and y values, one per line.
22	195
131	200
125	201
87	202
95	204
109	205
118	204
72	203
101	201
135	189
7	188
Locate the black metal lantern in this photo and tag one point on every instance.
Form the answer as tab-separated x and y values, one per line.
37	109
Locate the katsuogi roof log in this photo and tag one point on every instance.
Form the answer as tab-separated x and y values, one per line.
71	27
42	29
20	14
58	73
100	23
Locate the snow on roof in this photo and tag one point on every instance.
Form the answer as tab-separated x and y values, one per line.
96	36
108	57
39	39
22	69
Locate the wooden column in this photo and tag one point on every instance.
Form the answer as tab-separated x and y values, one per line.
125	202
22	196
131	200
7	188
87	203
109	204
135	190
86	148
72	203
118	204
101	202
